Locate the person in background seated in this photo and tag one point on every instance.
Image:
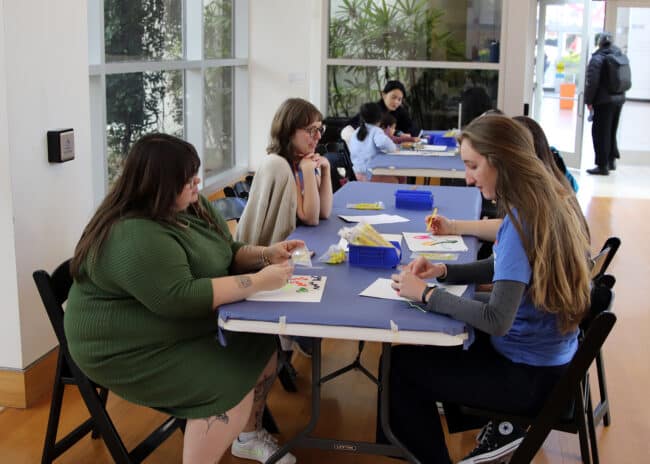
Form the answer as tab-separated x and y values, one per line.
486	229
368	141
292	186
392	102
151	267
389	124
526	328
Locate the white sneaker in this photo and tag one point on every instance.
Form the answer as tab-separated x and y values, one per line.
260	448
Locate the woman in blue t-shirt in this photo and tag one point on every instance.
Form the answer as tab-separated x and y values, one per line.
527	326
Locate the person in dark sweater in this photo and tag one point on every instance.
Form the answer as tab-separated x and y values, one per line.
526	328
606	108
392	102
150	270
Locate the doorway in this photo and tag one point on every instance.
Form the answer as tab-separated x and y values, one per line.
565	32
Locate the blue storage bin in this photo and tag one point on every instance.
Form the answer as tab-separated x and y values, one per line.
414	199
440	139
369	256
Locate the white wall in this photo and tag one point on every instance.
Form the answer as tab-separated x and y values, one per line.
284	61
45	73
10	353
518	55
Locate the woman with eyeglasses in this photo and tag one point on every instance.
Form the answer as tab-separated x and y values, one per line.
151	268
293	184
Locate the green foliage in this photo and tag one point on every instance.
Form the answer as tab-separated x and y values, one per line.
217	29
381	30
137	102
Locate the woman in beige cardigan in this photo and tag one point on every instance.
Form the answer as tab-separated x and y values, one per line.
293	184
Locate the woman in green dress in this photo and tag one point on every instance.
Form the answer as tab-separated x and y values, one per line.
150	269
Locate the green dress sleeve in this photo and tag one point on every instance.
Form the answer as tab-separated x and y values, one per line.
143	259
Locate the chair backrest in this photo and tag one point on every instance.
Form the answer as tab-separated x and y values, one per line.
565	390
230	207
242	188
341	170
604	257
54	291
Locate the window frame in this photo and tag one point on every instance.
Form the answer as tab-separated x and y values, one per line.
194	68
415	64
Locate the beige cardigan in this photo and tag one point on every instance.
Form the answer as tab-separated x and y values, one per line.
270	213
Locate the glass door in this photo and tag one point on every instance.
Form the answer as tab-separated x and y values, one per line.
563	45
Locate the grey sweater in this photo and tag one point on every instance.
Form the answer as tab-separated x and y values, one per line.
492	313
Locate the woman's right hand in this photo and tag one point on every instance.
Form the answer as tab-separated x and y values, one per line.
438	225
308	163
424	269
274	276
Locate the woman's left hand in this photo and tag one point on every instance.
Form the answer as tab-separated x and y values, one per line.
408	285
281	251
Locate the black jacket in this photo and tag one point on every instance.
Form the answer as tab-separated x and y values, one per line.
401	115
596	92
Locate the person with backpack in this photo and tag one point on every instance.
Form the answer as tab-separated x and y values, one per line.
608	78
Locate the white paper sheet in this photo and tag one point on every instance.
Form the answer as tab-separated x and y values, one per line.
299	289
375	218
424	241
381	288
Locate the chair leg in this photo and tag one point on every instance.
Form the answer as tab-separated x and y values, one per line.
602	387
55	413
268	421
581	424
103	397
592	427
102	421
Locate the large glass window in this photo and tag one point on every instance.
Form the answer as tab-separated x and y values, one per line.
446	52
166	66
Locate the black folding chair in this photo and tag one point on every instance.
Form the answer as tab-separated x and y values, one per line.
601	285
231	208
568	408
242	188
54	292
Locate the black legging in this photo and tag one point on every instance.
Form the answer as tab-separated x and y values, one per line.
603	133
478	377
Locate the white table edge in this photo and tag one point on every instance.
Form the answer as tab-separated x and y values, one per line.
345	332
417	172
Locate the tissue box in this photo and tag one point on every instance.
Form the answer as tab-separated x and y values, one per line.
414	199
369	256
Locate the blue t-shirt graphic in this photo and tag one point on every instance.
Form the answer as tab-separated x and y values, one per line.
534	337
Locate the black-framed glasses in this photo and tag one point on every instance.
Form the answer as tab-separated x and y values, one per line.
312	131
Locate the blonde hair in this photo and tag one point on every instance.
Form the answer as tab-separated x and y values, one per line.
548	221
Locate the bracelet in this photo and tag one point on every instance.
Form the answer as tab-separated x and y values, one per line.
265	261
427	290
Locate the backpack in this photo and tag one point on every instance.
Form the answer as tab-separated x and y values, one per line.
618	73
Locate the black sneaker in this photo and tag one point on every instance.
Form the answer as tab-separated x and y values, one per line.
498	442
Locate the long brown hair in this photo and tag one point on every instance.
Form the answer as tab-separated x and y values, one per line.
293	114
156	171
551	229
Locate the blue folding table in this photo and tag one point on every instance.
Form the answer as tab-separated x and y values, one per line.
426	165
344	314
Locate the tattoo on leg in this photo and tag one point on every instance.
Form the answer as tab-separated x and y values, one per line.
211	420
244	281
263	387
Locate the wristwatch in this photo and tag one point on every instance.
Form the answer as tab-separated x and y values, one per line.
427	290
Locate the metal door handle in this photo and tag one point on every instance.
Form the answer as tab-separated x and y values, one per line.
581	104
